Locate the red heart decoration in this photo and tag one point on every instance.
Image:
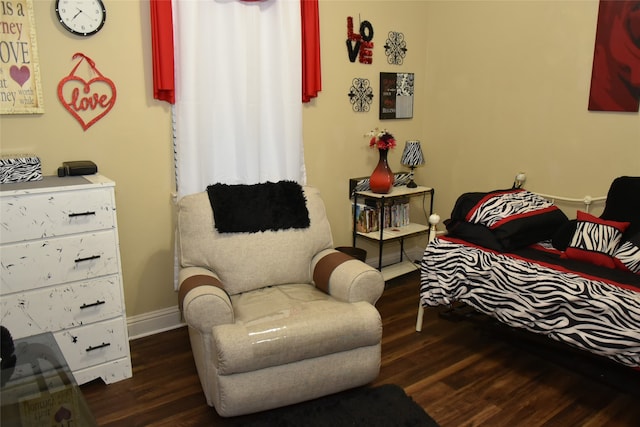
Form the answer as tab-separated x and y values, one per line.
20	75
88	101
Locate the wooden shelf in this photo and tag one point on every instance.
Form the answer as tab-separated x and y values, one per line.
396	192
392	233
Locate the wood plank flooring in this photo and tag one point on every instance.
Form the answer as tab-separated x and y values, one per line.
459	373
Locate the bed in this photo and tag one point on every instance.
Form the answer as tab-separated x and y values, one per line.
515	256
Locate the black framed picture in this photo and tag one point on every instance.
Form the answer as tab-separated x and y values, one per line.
396	95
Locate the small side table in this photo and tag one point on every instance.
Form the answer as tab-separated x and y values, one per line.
39	389
388	234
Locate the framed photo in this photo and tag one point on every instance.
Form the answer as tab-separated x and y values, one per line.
20	90
396	96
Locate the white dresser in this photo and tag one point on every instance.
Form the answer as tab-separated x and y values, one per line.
61	271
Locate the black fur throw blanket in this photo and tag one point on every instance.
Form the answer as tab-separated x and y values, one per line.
259	207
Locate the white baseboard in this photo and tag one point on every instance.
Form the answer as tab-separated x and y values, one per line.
154	322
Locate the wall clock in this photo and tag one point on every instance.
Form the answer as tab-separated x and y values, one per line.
81	17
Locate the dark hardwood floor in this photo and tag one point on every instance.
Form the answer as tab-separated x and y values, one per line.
459	372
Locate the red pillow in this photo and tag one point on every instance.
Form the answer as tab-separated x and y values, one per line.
595	240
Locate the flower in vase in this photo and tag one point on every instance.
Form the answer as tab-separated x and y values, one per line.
381	139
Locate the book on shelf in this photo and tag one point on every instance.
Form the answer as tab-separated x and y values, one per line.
367	219
367	215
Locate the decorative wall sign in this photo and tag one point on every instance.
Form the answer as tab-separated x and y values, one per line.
361	95
20	90
615	76
395	48
396	96
88	100
360	45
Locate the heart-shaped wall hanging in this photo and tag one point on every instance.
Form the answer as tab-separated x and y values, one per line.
88	100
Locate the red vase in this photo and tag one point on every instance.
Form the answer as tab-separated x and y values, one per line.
381	180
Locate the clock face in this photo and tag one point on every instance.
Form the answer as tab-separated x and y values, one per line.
82	17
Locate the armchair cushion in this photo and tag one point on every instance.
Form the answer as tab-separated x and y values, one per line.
287	323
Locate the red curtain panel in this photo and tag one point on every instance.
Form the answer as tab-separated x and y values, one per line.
615	77
162	50
163	60
311	75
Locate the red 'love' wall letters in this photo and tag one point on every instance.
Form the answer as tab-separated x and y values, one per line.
360	45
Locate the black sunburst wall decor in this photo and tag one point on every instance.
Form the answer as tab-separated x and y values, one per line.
395	48
360	95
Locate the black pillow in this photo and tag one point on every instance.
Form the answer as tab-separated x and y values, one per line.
477	234
466	202
623	203
623	200
516	217
259	207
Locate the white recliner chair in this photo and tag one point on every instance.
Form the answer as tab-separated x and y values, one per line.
275	317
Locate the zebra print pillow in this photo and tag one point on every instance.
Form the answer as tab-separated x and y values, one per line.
595	240
516	217
627	256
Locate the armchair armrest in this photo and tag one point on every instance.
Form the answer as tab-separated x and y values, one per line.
346	278
203	301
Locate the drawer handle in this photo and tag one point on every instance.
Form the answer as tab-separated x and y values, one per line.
98	302
91	348
89	258
73	215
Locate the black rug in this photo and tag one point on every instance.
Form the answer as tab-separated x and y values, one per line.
384	406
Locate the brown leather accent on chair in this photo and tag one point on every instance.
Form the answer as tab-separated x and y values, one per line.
195	281
325	267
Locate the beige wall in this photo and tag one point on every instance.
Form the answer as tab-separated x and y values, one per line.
500	87
508	86
335	146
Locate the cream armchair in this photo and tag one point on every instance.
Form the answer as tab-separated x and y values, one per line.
275	317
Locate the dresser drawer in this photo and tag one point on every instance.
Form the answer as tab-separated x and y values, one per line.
62	307
51	262
110	372
35	216
93	344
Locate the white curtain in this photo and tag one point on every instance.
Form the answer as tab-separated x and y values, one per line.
238	113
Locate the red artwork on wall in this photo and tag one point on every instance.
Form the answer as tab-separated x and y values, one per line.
88	100
615	77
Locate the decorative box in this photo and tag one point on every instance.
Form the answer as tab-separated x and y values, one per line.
20	168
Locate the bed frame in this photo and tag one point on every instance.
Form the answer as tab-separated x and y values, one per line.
434	220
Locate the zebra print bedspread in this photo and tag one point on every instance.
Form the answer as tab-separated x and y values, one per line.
593	314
